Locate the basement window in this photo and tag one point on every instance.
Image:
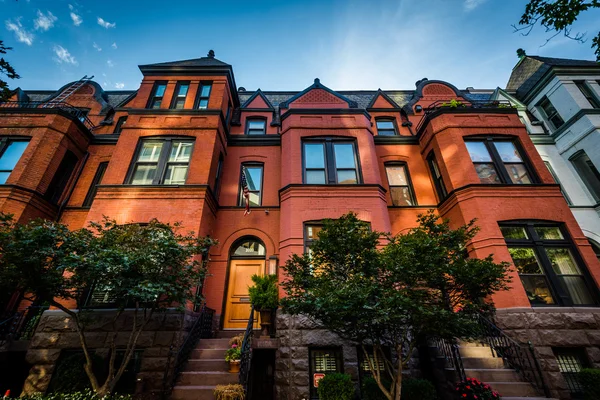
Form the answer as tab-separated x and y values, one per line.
323	361
571	360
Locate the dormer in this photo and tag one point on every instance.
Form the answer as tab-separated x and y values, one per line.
318	96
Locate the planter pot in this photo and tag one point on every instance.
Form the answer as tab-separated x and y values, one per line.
234	366
266	317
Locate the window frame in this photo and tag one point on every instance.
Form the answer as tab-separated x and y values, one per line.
199	96
588	93
438	181
163	159
408	185
331	171
218	176
119	125
5	142
339	356
541	106
91	194
570	377
387	119
62	177
153	97
585	172
241	200
255	119
176	96
559	293
305	239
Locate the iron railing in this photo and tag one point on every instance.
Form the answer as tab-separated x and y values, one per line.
78	113
246	358
448	349
521	357
20	325
202	329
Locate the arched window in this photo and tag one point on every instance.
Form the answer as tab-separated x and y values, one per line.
248	247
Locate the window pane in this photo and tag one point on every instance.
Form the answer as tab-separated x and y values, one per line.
179	103
525	260
487	173
314	156
312	231
401	196
344	155
537	289
250	248
549	232
514	232
397	175
203	104
518	173
385	125
253	178
176	174
183	89
256	124
150	151
315	177
156	103
254	198
346	177
205	91
11	156
577	289
180	151
508	152
562	261
478	151
3	177
143	174
160	90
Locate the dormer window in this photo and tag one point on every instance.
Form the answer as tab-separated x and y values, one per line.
256	126
203	95
386	127
181	92
158	93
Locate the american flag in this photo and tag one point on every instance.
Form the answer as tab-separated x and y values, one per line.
246	191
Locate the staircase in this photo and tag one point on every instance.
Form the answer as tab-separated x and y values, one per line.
205	369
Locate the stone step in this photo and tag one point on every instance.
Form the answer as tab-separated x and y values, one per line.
213	344
217	364
494	375
527	398
193	393
462	343
483	362
228	334
206	378
514	389
471	351
208	353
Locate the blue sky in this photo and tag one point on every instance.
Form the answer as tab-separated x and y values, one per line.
278	45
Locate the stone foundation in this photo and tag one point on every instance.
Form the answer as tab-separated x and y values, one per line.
56	332
554	327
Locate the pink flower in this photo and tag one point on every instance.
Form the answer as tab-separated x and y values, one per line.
233	346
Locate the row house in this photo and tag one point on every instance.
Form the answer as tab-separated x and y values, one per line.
175	150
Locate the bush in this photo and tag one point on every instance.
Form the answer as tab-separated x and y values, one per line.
84	395
590	381
412	389
264	294
336	387
472	389
371	391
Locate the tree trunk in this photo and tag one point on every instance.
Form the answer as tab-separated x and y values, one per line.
398	385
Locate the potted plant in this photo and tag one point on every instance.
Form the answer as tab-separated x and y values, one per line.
264	296
229	392
233	356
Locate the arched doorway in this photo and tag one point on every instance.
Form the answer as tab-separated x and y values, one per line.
246	258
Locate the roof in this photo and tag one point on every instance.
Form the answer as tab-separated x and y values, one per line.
565	62
113	97
194	62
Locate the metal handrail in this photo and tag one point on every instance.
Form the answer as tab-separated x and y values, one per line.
449	350
246	357
22	324
78	113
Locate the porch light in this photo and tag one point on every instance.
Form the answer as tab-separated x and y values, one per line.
272	265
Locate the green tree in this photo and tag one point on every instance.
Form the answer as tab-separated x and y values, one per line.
8	70
391	291
558	16
145	268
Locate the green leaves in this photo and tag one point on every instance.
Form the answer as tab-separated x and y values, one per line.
8	70
264	294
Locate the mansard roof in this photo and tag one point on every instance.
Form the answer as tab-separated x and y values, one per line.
318	85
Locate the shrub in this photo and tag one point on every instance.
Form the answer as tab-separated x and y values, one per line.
87	394
233	353
336	387
371	391
229	392
412	389
590	381
264	294
472	389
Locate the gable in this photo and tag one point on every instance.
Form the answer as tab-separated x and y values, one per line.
382	100
257	102
318	98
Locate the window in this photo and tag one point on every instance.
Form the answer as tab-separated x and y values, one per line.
158	93
203	95
400	185
181	92
322	362
547	265
119	126
218	175
89	198
11	151
588	173
311	233
330	162
249	248
498	161
256	126
386	127
438	181
570	361
161	161
587	92
61	177
562	190
254	177
552	116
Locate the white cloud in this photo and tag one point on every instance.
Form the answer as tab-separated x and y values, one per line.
22	35
106	24
470	5
77	20
114	45
71	7
63	55
97	47
110	63
43	22
119	85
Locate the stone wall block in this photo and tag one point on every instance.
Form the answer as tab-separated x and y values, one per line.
351	353
45	340
156	322
351	370
38	379
512	321
300	378
546	320
281	365
153	364
151	380
298	392
283	352
300	352
42	356
58	323
593	336
146	339
300	364
563	337
593	353
321	337
163	338
99	321
580	321
304	322
544	352
282	321
549	365
172	322
558	382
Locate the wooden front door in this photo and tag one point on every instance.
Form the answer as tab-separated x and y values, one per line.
237	308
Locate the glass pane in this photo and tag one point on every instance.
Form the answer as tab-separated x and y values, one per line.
312	231
11	156
397	175
508	152
518	174
344	155
487	173
549	232
143	174
156	103
537	289
179	103
478	151
346	177
160	90
324	361
577	289
176	174
385	125
205	91
250	248
514	232
254	178
183	89
562	261
180	151
254	198
3	177
256	124
315	177
400	196
525	260
203	104
314	155
150	151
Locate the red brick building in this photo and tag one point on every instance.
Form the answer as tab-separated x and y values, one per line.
175	149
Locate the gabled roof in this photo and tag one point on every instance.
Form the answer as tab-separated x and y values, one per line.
565	62
317	85
260	94
385	96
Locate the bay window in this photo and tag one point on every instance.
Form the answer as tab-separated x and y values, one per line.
498	161
161	161
330	161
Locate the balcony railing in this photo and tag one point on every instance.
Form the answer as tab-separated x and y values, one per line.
78	113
